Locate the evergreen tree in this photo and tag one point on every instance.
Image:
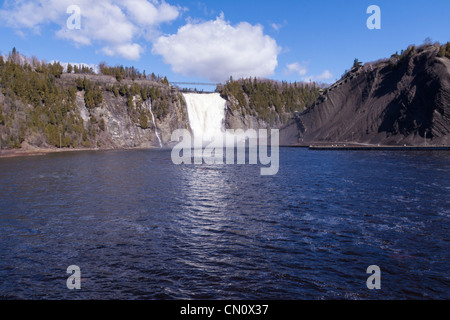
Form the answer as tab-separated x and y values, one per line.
356	63
143	120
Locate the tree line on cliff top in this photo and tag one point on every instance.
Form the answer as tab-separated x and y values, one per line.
37	103
270	100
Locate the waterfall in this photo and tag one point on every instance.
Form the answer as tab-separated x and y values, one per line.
206	115
149	103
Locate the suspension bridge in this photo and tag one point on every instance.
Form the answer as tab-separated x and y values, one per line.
196	84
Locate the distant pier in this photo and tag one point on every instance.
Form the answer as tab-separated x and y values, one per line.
374	147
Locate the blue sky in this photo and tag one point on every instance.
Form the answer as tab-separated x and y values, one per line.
291	40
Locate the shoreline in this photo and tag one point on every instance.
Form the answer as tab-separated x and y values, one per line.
15	153
378	147
347	146
363	146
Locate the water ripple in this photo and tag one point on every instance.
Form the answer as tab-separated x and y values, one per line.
140	227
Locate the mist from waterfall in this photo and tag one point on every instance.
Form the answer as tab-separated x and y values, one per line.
206	114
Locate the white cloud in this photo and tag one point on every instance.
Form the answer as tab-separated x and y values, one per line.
129	51
296	68
206	11
301	70
115	26
324	76
94	67
216	50
278	26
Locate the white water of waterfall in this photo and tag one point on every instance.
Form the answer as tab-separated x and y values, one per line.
206	116
149	103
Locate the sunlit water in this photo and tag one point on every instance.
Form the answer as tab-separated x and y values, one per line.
140	227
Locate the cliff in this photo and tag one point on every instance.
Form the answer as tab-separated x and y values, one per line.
128	120
42	110
264	104
403	100
396	101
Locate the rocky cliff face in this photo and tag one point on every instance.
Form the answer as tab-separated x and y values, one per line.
235	118
404	100
123	128
263	104
129	119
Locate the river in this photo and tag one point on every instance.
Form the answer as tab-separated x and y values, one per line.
140	227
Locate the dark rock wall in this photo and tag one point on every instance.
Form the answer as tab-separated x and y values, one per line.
382	104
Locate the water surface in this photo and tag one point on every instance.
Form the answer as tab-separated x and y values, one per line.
140	227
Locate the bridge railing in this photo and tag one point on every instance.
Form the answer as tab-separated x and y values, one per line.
196	83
